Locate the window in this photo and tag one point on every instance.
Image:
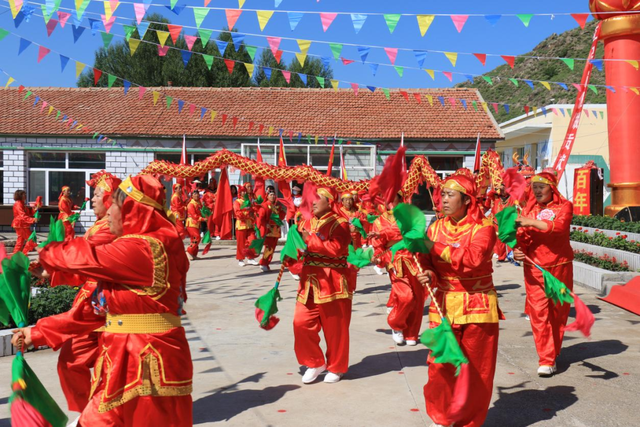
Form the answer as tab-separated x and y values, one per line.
49	172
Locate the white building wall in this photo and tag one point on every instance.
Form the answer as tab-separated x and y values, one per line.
15	174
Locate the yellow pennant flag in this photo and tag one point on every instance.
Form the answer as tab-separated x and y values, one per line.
452	57
424	22
79	67
156	96
633	63
535	111
263	17
431	74
133	45
316	139
240	3
430	99
335	84
162	37
546	84
50	110
79	126
270	130
213	115
15	9
11	80
304	46
484	106
634	90
301	58
250	68
108	12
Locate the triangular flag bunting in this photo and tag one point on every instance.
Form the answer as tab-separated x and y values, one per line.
546	84
263	17
294	19
232	17
287	75
335	84
525	18
111	79
459	21
106	39
199	13
128	31
205	35
79	67
96	76
392	53
581	18
274	43
392	21
163	50
139	10
208	59
175	31
304	46
301	58
569	62
482	57
364	52
358	21
162	37
230	64
250	68
448	75
511	60
336	49
399	70
452	57
190	40
424	22
327	19
431	74
51	25
42	52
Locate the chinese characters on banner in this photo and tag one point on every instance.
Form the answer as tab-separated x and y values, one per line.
581	192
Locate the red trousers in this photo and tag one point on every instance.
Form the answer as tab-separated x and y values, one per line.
479	342
356	240
333	318
194	235
269	248
169	411
77	357
182	231
500	249
213	229
547	319
23	236
69	232
407	300
243	240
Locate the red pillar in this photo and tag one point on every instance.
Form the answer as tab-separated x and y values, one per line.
621	37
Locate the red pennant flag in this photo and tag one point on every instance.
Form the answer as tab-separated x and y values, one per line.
404	94
330	165
251	127
51	25
234	120
42	52
260	129
495	107
278	56
346	61
511	60
416	95
482	57
584	318
290	136
230	63
223	208
175	31
96	76
389	182
224	119
581	18
526	110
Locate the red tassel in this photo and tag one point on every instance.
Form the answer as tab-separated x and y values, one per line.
273	320
460	395
206	249
389	182
584	318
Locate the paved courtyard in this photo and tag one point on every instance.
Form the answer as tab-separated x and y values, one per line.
245	376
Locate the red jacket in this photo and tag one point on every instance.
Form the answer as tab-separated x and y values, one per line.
22	215
178	206
194	216
66	207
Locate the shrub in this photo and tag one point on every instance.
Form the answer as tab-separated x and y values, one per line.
606	262
49	301
605	223
600	239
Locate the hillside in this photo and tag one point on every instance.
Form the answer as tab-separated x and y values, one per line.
570	44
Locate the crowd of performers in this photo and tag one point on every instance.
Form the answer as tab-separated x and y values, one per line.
131	267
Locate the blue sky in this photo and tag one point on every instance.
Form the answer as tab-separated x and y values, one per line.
509	36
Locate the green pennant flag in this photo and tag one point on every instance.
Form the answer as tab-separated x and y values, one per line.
128	31
276	219
251	50
443	345
413	226
205	35
320	80
293	244
169	99
359	257
399	70
488	80
593	88
475	105
3	33
392	20
199	13
208	59
569	62
207	238
336	48
76	216
525	18
267	304
56	232
358	225
554	288
111	79
386	93
507	228
106	39
515	82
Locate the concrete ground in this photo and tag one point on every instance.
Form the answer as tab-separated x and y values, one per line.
245	376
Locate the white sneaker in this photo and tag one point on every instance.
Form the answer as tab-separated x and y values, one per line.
311	374
547	371
526	316
251	262
217	237
389	310
398	337
380	271
189	256
295	277
332	378
412	342
241	263
74	423
265	268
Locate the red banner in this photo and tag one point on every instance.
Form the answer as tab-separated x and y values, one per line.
582	191
570	137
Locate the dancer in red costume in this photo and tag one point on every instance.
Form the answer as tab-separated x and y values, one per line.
143	375
406	301
245	221
66	206
194	219
272	231
179	209
324	293
543	236
22	220
500	200
349	211
209	200
459	267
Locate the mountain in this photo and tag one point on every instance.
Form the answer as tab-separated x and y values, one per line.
570	44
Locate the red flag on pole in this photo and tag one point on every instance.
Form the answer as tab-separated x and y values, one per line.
343	168
330	166
259	188
223	208
476	161
283	186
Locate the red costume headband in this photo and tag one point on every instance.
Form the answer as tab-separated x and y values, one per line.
462	181
62	192
108	182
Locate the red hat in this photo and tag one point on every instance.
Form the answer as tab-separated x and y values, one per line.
463	181
347	195
547	176
144	208
108	182
62	191
327	192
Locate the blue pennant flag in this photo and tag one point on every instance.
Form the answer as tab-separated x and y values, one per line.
493	19
464	103
441	99
562	111
469	77
374	68
303	77
506	108
64	118
420	57
180	105
147	3
186	56
126	85
24	43
281	130
562	85
142	28
202	112
611	88
530	83
267	72
358	21
95	26
326	62
294	19
277	4
63	62
544	110
77	21
176	9
364	52
372	88
75	122
35	101
27	11
222	46
299	136
237	40
598	63
19	19
77	32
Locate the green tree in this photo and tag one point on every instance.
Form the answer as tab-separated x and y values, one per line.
312	67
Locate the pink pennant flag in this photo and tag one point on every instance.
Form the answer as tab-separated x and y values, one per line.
44	104
448	75
140	11
355	88
162	50
327	19
108	23
346	61
581	18
511	60
206	3
192	108
392	53
274	43
482	57
459	21
42	52
495	107
63	17
141	91
577	86
232	16
287	75
190	40
51	25
586	113
452	101
555	111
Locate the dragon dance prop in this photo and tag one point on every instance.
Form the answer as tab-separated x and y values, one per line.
419	172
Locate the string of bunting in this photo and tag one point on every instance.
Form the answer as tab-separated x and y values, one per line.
59	116
263	17
43	51
163	48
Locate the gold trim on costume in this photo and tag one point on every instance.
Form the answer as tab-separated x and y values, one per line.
160	268
137	195
151	323
325	193
542	180
452	184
